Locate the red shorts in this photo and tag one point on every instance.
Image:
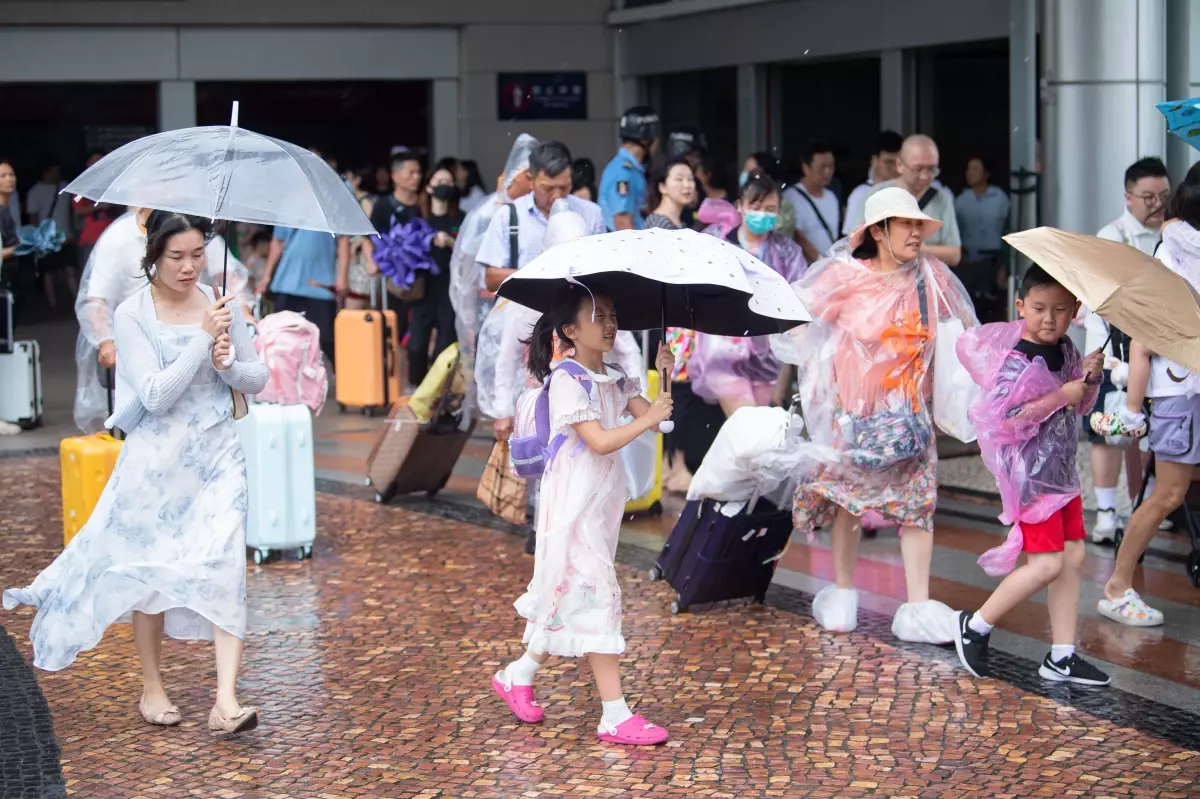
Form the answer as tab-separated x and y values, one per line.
1065	524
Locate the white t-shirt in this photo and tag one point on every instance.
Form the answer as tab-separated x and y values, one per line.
816	229
1162	384
855	205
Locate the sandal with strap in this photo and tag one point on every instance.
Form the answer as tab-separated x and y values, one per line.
167	717
245	720
635	731
519	699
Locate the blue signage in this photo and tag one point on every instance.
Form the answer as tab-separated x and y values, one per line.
541	95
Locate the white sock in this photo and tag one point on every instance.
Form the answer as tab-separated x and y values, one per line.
522	672
1106	498
979	624
616	713
1149	488
1060	652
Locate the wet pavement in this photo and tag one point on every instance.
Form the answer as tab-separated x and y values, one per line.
371	663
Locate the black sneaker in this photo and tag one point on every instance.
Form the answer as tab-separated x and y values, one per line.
531	542
1073	669
972	647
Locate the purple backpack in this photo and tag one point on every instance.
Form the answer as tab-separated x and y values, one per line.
531	450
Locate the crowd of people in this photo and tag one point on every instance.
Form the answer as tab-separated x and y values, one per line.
881	271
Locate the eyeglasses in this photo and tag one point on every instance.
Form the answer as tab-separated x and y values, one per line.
931	171
1153	199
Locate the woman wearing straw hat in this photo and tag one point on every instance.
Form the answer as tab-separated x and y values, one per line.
876	301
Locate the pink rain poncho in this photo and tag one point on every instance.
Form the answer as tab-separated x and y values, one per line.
722	367
864	363
1027	434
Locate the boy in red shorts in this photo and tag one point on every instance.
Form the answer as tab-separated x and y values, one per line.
1035	384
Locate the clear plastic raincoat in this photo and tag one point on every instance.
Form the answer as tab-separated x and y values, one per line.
863	364
466	275
113	274
735	366
1027	434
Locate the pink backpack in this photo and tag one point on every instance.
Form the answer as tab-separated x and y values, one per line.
290	346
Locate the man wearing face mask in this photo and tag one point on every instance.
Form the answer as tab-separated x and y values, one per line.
623	183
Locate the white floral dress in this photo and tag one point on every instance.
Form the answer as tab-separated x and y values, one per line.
573	604
167	535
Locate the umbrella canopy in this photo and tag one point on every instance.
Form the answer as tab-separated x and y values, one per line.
225	172
1183	119
657	277
1126	287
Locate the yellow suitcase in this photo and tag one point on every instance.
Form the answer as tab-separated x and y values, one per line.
652	502
87	462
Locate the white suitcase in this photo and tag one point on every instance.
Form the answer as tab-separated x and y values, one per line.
21	384
282	513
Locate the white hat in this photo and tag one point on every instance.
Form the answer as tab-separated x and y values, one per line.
896	203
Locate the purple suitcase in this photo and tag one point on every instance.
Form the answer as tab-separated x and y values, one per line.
710	557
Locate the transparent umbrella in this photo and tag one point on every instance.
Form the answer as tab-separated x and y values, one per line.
228	173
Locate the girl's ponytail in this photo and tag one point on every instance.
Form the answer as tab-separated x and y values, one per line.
541	347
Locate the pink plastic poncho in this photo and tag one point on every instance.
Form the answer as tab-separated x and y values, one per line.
738	366
866	354
1027	436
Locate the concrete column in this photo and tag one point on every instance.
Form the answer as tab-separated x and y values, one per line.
1108	71
1180	154
896	91
1023	93
177	104
774	106
444	120
751	105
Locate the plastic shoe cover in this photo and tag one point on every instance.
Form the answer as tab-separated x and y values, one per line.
929	622
836	609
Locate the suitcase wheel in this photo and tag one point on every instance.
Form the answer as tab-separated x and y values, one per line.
304	552
441	485
378	498
654	574
676	608
1193	567
341	408
656	509
261	555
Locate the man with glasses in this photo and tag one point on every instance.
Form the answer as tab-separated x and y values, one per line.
1147	189
918	167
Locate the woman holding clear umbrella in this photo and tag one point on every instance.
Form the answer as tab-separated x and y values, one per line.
864	365
165	546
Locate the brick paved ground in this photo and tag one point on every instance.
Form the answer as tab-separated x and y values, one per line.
371	663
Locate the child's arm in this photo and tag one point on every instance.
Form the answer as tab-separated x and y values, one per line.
606	442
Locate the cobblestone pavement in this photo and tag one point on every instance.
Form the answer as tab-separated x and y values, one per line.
371	663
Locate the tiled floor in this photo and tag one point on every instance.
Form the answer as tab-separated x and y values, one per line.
371	663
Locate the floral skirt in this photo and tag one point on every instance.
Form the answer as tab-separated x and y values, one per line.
905	495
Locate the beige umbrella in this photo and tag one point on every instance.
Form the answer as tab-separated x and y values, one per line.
1128	288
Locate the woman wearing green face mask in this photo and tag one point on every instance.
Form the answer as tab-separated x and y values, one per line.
737	372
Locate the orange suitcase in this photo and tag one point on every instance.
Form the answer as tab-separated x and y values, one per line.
367	359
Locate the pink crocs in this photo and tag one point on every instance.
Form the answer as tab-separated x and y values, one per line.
636	731
520	701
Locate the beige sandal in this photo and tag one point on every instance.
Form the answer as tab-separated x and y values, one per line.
246	719
168	717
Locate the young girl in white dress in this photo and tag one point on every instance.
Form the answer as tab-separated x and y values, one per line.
573	604
165	545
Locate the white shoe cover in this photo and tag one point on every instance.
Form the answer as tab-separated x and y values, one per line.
929	622
836	609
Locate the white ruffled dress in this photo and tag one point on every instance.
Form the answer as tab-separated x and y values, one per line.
573	603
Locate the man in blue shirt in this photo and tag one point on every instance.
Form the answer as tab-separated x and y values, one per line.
623	184
299	256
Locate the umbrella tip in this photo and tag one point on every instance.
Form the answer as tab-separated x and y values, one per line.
233	116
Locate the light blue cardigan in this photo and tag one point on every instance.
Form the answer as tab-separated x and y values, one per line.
144	385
